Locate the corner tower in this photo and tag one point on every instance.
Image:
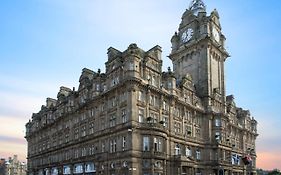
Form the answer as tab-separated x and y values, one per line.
198	50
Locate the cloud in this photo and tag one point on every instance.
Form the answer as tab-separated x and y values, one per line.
15	140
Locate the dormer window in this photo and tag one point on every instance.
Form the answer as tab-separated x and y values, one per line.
114	81
113	66
98	87
131	66
170	85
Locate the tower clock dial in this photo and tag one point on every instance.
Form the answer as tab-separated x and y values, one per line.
216	34
187	35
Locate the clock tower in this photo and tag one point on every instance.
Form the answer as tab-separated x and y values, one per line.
198	51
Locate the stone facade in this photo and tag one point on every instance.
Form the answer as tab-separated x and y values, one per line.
136	119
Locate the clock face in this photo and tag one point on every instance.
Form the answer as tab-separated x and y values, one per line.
216	34
187	35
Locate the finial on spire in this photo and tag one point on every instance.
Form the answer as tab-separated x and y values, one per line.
197	6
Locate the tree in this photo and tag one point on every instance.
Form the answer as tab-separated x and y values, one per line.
274	172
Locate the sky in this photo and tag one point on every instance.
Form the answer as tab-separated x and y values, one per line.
45	44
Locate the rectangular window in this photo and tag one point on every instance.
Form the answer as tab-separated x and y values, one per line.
78	168
103	107
154	81
113	102
112	121
91	150
66	170
198	132
102	147
141	115
217	136
90	168
83	131
145	143
158	144
98	87
165	121
170	85
177	127
123	143
131	66
217	122
66	139
235	159
76	133
116	80
112	146
153	118
177	112
92	112
148	77
91	127
165	106
112	82
76	153
141	96
188	130
83	116
187	116
198	155
84	152
151	100
177	149
124	116
103	124
188	152
123	97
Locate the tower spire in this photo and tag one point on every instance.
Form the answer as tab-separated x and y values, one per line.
197	6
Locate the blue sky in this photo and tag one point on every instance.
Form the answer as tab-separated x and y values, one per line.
44	44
